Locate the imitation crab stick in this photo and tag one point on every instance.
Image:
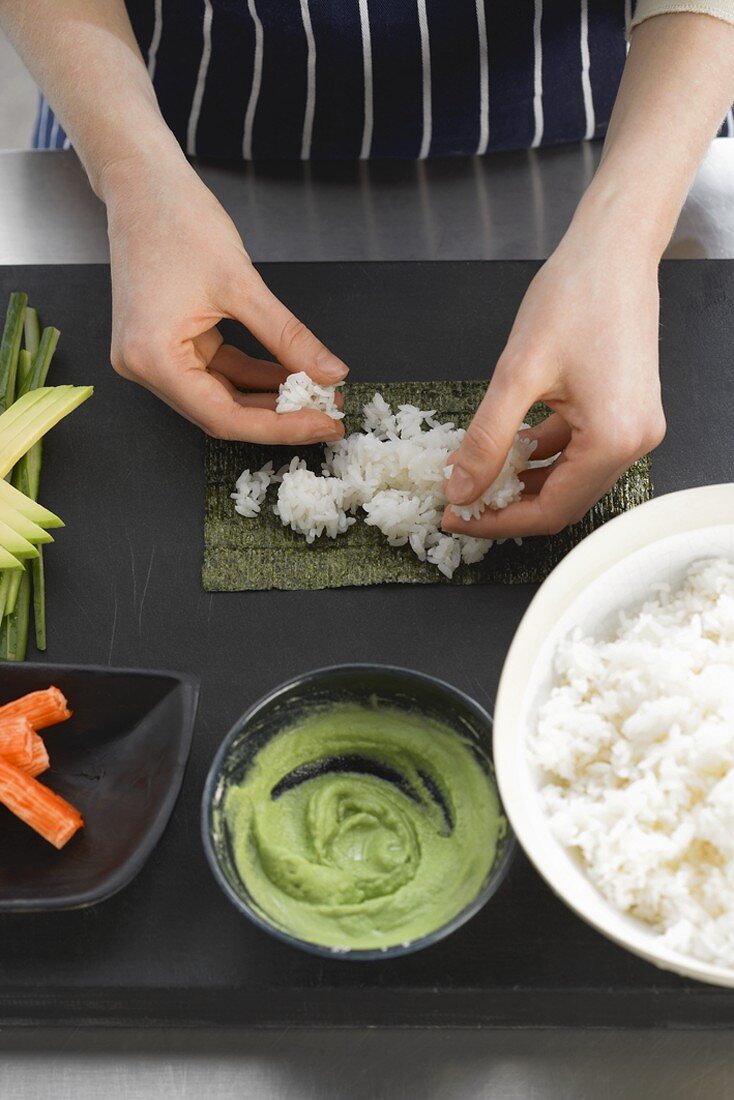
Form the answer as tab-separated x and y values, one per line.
16	741
44	810
41	708
39	761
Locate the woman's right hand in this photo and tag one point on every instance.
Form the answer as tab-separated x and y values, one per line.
178	268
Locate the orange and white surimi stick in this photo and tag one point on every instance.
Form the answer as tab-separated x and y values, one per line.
41	708
21	746
44	810
16	741
39	757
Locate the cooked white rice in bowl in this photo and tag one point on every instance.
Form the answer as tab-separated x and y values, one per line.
635	746
618	568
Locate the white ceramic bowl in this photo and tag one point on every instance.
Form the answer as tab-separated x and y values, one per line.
609	570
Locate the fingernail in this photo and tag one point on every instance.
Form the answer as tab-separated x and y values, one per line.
460	488
330	367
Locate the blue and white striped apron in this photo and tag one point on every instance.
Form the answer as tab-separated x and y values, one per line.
331	79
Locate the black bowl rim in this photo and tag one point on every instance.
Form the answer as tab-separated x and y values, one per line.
375	953
127	871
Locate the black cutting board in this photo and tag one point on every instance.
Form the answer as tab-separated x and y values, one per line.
124	588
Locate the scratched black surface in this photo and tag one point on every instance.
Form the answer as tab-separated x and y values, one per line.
124	588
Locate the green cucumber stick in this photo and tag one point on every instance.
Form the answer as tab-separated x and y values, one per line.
29	479
25	368
4	582
13	590
28	471
10	347
42	360
17	621
38	576
31	331
32	471
20	477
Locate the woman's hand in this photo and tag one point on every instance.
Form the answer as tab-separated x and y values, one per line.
585	341
179	267
585	338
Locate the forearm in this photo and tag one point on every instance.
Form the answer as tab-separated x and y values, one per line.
677	86
84	57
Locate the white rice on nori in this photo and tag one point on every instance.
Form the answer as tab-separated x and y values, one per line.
250	490
395	471
636	745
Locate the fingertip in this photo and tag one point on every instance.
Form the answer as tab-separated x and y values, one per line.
313	427
334	433
327	425
329	369
461	487
451	522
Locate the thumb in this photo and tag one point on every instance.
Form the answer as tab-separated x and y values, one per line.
285	337
481	456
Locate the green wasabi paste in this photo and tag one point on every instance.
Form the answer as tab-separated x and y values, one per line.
364	827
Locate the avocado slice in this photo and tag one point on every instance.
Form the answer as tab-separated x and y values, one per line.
33	511
7	561
24	526
15	544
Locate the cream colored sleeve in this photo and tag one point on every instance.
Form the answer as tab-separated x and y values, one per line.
719	9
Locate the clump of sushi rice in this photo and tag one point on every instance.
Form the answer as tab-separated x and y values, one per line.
393	473
299	391
311	505
250	490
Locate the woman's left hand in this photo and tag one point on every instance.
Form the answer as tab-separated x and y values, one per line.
585	341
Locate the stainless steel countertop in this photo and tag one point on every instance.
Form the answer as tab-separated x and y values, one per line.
514	206
446	1064
510	206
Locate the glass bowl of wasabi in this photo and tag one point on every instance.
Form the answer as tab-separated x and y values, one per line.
353	812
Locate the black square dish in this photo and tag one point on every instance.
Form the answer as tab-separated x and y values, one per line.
119	760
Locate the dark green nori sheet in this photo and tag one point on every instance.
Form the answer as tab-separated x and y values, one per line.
259	553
